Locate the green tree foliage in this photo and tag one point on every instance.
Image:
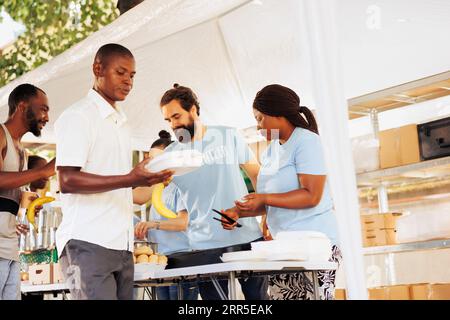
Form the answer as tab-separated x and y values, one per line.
53	26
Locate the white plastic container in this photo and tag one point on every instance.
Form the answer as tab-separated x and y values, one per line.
181	162
366	153
423	226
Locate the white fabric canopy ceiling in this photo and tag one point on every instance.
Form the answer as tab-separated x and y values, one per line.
228	50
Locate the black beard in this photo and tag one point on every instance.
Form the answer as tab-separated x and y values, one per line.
185	134
33	123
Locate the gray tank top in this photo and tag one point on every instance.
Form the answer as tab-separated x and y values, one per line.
11	163
9	242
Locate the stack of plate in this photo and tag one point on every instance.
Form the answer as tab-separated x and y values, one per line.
246	255
181	162
288	246
296	245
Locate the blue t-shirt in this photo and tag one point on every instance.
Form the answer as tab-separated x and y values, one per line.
169	241
216	185
280	165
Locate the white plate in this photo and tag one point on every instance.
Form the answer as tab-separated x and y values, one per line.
247	255
181	162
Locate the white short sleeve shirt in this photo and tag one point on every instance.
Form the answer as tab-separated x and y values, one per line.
94	136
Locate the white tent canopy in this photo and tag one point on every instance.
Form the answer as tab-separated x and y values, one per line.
226	50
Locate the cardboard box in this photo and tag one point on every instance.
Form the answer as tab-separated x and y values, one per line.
374	238
372	222
419	291
427	291
399	146
56	273
379	237
399	292
380	220
40	274
379	229
340	294
377	294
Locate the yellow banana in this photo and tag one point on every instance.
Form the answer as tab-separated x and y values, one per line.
159	204
32	208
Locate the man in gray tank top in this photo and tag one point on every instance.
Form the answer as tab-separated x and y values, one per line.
28	112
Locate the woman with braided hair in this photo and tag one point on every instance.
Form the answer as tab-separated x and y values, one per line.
292	185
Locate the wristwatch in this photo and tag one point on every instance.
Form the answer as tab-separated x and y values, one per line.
157	225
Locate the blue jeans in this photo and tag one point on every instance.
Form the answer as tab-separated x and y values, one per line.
9	279
190	292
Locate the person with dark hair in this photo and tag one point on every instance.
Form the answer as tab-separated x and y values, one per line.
28	112
95	239
188	101
164	140
215	185
37	162
169	234
125	5
109	52
292	185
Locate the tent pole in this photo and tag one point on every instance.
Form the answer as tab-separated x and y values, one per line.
319	30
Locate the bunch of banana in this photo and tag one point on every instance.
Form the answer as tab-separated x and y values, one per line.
159	204
31	211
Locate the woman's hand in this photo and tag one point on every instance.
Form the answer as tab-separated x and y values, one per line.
253	202
231	213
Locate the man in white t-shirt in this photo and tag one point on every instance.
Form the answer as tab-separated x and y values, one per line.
95	238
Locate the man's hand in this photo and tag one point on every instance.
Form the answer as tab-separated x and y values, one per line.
21	229
49	169
141	229
141	177
37	209
27	198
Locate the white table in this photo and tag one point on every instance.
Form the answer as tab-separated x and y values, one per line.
210	272
28	288
233	269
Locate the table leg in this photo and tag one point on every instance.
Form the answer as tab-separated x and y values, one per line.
219	288
232	285
148	292
316	287
180	290
153	290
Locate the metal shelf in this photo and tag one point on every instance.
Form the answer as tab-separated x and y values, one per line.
405	247
413	172
401	95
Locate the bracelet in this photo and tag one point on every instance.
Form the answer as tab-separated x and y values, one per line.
157	225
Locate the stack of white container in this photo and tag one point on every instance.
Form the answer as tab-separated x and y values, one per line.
286	246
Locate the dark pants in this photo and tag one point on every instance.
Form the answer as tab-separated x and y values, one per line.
254	288
190	292
93	272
